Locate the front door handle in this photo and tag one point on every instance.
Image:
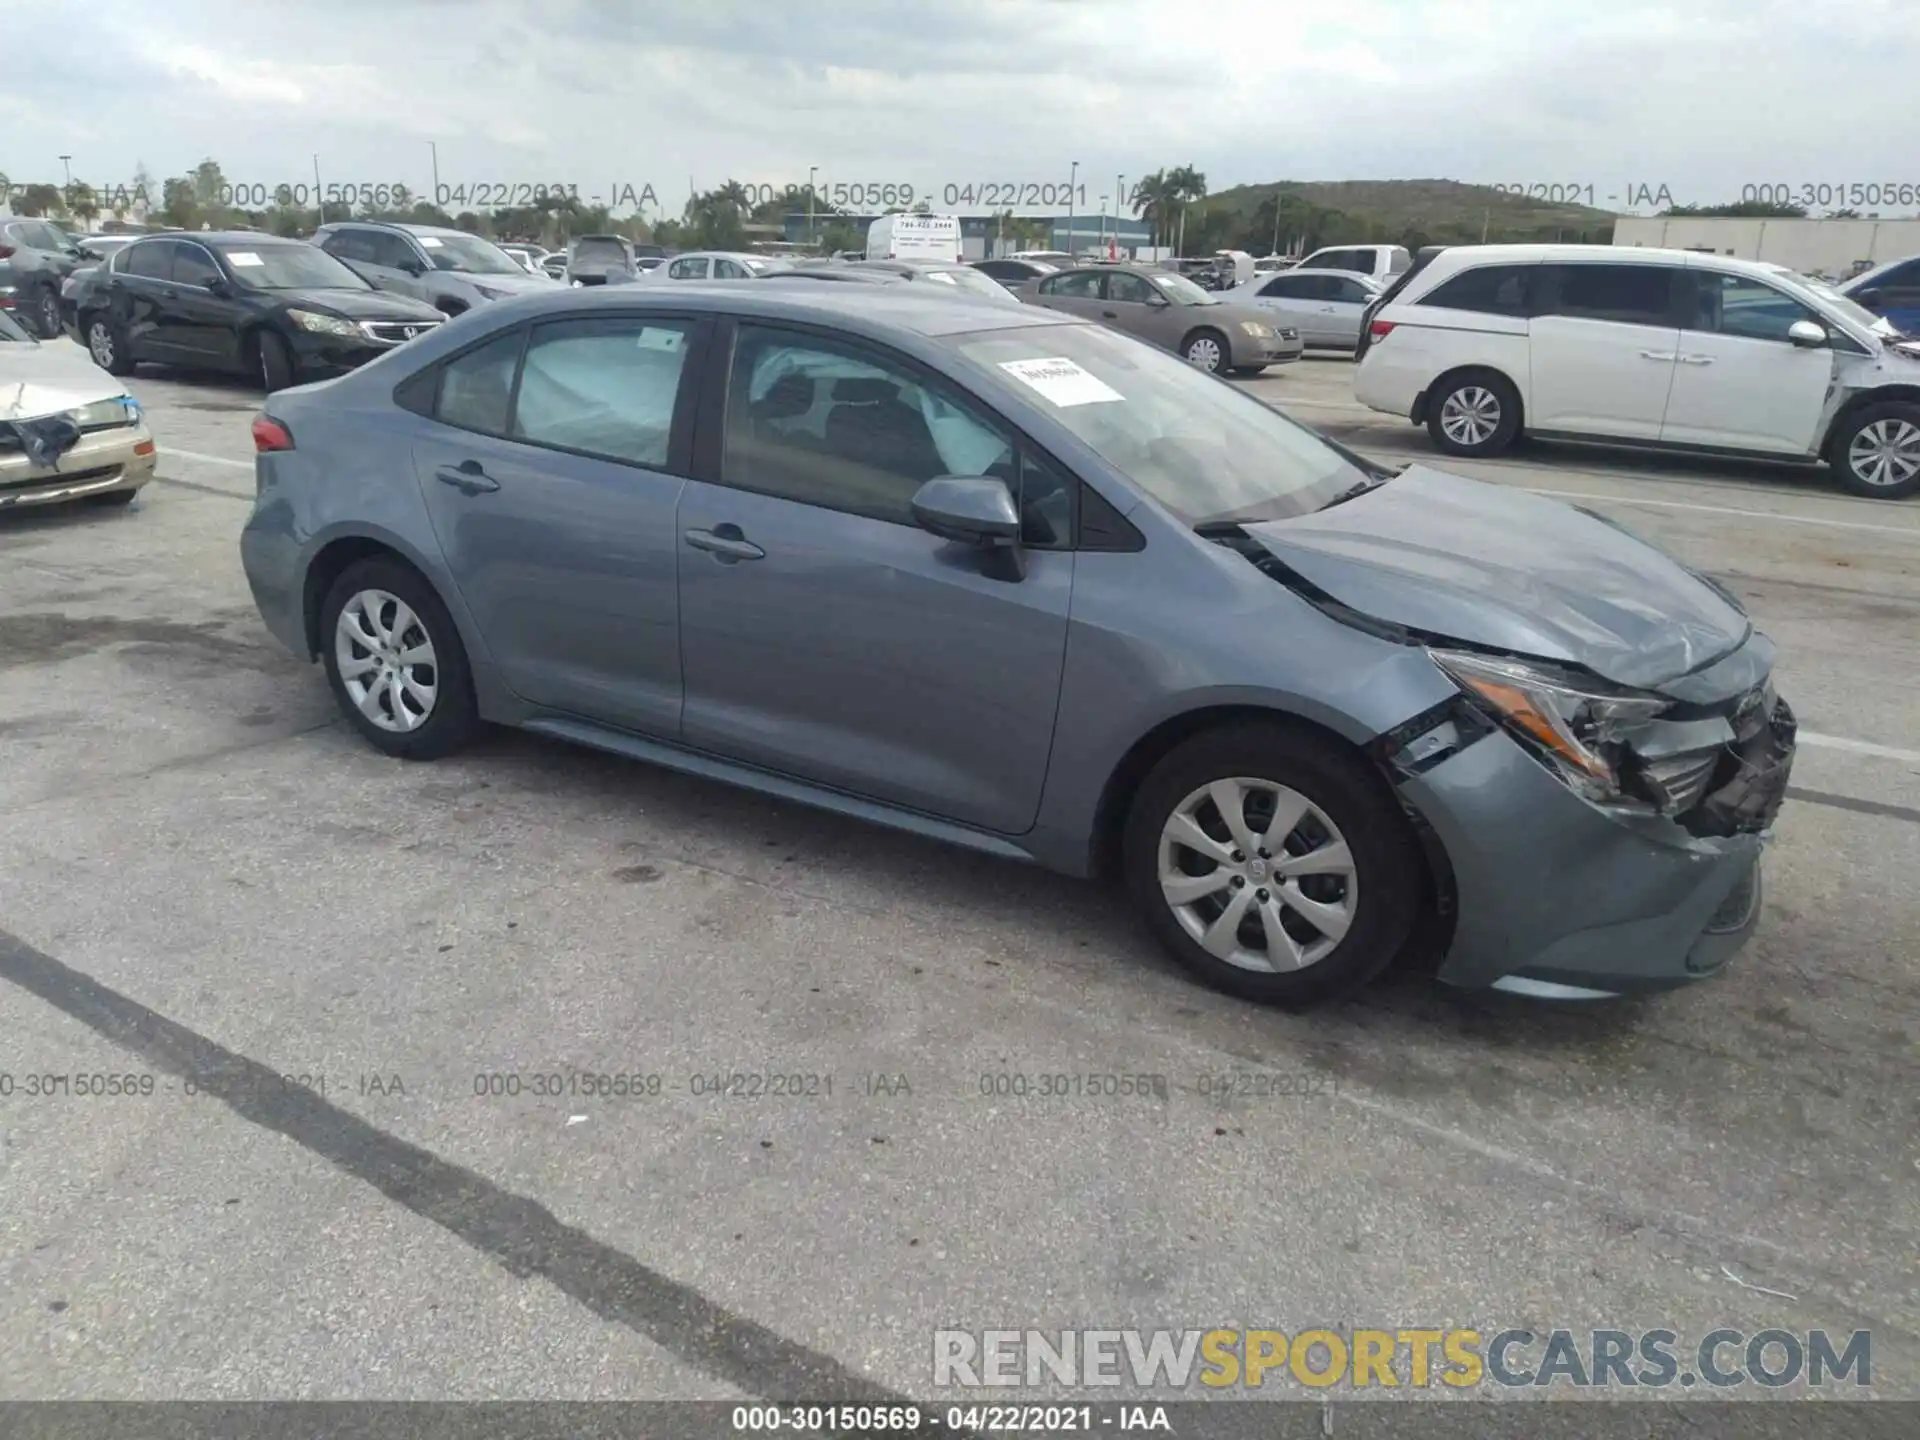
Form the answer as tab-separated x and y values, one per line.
1109	315
725	542
1696	359
467	477
1656	355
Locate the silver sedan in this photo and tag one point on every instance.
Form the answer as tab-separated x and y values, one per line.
1324	305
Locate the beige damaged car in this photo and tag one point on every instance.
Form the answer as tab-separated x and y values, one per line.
68	430
1169	310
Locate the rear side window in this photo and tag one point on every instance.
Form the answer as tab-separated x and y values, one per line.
1287	287
476	390
684	269
1342	260
1625	294
1484	290
603	387
193	266
1398	261
349	245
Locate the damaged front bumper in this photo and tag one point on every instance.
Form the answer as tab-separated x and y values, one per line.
1555	896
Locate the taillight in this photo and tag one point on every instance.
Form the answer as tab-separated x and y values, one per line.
1380	329
269	434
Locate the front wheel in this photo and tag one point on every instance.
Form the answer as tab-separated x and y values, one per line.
107	344
395	662
1206	350
46	314
1876	454
1273	863
276	362
1473	415
1247	372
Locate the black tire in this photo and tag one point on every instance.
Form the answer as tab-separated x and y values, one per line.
1222	352
1247	372
454	718
119	360
1389	874
277	370
112	499
1895	416
46	313
1490	396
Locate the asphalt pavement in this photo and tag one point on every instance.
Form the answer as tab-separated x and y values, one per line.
201	868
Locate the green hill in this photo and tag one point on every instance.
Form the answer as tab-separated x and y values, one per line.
1407	212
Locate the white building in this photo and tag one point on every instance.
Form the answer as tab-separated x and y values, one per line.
1816	247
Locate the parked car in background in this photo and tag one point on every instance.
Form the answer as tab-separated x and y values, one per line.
96	248
555	265
721	265
1026	585
837	274
279	311
527	256
1671	348
965	278
452	270
1058	259
35	257
601	260
1325	306
1171	311
1892	290
1268	264
108	453
1012	272
1378	262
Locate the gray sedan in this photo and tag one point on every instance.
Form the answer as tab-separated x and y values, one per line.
1171	311
1020	583
1325	306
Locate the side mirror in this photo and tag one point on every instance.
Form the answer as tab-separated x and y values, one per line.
972	509
1158	301
412	266
1806	334
216	284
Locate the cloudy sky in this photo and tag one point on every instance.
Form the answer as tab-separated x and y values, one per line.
1702	98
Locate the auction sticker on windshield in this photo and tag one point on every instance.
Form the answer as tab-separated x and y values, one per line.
432	242
243	257
1061	382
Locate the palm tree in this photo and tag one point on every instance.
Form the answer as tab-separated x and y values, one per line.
1187	185
1154	201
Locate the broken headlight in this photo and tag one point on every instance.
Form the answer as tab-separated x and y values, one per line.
1573	724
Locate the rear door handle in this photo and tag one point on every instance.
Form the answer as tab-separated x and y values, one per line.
1696	359
725	542
1657	355
467	477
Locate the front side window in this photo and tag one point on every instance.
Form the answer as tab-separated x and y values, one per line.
688	269
1484	290
604	387
838	426
349	245
193	266
1130	288
1204	450
476	389
727	270
391	251
1287	287
1625	294
1742	306
468	254
1074	285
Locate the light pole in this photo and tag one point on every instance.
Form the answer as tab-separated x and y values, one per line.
435	148
812	238
1073	179
68	168
319	195
1119	204
1103	222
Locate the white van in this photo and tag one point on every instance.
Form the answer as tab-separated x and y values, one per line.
915	237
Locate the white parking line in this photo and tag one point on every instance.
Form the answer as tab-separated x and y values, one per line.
1912	532
205	459
1859	747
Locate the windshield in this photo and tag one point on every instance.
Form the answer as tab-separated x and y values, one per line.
288	267
1202	448
1181	290
975	283
469	254
1833	300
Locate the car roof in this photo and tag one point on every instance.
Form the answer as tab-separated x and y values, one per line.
254	239
1455	255
900	307
1878	270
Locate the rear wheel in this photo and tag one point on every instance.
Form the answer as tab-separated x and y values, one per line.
395	661
1273	863
1206	350
107	344
46	314
1876	454
276	362
1476	413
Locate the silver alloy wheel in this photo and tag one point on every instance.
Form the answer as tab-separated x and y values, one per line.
100	344
50	314
1205	352
1258	875
1470	415
386	661
1887	452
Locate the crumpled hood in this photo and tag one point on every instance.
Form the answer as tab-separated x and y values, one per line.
1493	566
38	380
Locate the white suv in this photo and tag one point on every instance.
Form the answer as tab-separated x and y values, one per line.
1683	350
1385	263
